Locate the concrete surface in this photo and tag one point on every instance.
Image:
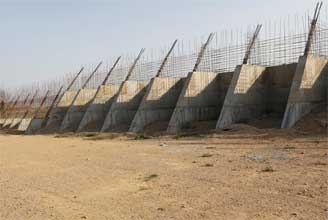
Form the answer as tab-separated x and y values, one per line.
7	122
200	100
158	104
77	110
24	124
125	106
58	113
309	88
14	115
19	116
28	117
96	113
246	96
34	126
278	83
38	120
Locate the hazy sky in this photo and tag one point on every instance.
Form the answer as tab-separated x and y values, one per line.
44	38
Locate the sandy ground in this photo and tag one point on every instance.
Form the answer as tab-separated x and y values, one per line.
231	175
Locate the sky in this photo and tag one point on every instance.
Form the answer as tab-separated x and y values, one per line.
41	39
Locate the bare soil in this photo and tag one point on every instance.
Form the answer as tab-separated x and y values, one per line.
239	174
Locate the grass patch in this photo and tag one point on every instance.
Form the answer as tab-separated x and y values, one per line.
142	188
150	177
268	169
188	134
207	155
289	148
320	163
210	148
63	135
102	136
89	135
140	137
208	165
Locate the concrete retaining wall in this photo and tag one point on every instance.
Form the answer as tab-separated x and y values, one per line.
309	88
96	113
2	121
15	123
158	104
125	106
201	99
256	91
291	91
38	120
19	115
77	110
24	124
7	122
11	117
34	126
246	97
4	116
278	82
28	117
58	112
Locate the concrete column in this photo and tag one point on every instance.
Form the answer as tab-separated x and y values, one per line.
158	103
200	100
96	113
125	106
309	88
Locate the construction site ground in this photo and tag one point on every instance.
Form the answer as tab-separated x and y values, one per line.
240	173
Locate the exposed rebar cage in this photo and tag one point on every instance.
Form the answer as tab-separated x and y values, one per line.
280	42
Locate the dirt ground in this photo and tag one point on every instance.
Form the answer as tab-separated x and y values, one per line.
230	175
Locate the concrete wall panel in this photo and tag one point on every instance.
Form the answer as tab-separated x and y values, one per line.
34	126
24	124
125	106
278	81
77	110
96	113
246	97
58	113
158	103
309	88
200	100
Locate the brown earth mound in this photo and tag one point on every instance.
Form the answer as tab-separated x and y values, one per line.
315	122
